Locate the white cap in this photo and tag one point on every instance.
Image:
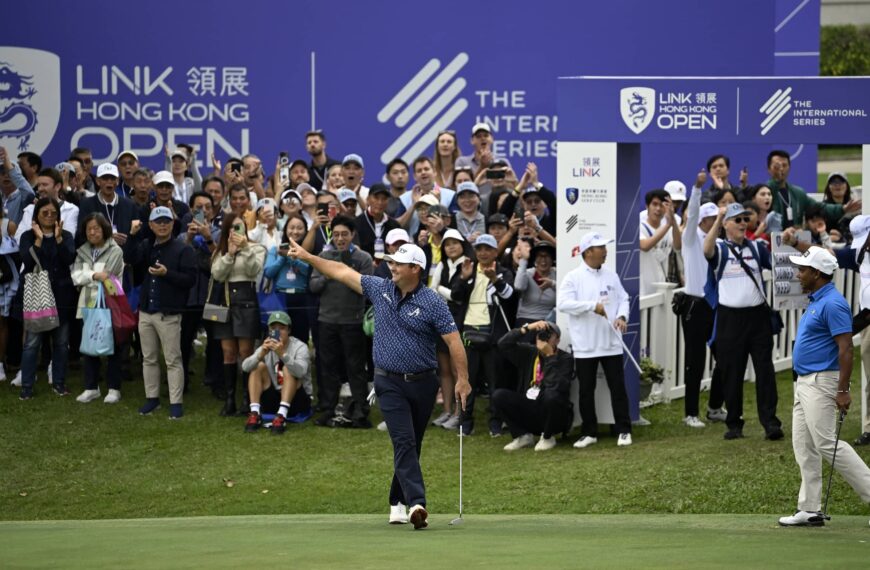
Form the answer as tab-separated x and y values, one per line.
179	152
817	258
677	190
859	227
593	239
107	169
128	152
305	187
397	234
427	199
408	253
708	209
163	177
452	233
480	127
346	194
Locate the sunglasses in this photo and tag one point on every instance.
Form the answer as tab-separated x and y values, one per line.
741	219
452	133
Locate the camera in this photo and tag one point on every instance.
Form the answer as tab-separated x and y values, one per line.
495	174
544	335
236	167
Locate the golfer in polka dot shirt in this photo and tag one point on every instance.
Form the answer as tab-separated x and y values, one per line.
409	317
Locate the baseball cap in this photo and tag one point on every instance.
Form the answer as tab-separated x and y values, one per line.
467	187
160	212
163	177
542	246
500	219
291	194
480	127
707	210
379	188
452	233
298	162
859	227
353	158
528	190
397	235
346	194
408	253
266	202
428	199
498	163
179	152
817	258
836	175
486	239
128	152
593	239
303	187
279	317
677	190
734	210
107	169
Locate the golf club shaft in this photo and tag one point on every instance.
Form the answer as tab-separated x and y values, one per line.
842	416
461	437
624	347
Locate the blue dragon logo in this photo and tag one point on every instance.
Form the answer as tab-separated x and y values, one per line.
16	90
637	109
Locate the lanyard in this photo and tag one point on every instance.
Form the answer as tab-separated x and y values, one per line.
373	226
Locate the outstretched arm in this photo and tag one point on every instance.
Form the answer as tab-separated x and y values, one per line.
331	269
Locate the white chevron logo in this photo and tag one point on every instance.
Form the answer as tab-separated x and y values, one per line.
774	109
421	117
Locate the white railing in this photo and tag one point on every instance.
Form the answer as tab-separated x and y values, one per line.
661	334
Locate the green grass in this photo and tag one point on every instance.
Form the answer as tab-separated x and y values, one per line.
839	152
492	541
65	460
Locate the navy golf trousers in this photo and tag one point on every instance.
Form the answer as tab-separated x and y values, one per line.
406	407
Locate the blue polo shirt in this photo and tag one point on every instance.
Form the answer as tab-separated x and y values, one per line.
406	328
827	316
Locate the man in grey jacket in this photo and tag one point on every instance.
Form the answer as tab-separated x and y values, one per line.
342	341
278	368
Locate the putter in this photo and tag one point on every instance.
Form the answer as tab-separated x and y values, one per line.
833	459
458	520
626	349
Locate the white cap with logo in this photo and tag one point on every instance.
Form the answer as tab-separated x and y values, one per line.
107	169
817	258
677	190
593	239
163	177
408	253
708	210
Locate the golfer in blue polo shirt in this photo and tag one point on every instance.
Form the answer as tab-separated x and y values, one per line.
823	363
409	317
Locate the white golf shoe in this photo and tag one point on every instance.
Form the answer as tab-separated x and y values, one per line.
803	518
88	396
17	380
525	440
585	442
398	514
693	422
624	440
545	444
113	397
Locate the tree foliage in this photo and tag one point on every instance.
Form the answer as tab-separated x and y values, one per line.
844	50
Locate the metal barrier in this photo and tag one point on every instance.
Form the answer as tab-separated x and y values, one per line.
661	334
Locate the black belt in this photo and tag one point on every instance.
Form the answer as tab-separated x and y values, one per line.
412	377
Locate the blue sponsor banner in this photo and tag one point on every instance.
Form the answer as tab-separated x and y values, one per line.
380	78
721	110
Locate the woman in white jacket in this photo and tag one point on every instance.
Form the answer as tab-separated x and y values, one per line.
97	260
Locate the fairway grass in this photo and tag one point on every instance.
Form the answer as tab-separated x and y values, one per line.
492	541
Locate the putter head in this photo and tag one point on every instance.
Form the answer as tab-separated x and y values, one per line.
456	521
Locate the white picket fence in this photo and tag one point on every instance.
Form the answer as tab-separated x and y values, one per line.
661	335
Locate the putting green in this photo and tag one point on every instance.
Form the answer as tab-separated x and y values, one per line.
497	541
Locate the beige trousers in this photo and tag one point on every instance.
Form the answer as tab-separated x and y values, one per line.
156	330
814	429
864	401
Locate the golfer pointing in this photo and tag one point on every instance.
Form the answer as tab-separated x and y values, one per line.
823	363
409	317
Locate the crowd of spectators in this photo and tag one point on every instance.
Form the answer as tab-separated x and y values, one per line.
203	261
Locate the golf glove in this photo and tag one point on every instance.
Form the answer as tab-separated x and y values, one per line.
372	397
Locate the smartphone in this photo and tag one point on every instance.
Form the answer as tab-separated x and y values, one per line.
331	211
284	170
284	247
323	209
239	229
236	167
495	174
275	334
519	211
199	216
